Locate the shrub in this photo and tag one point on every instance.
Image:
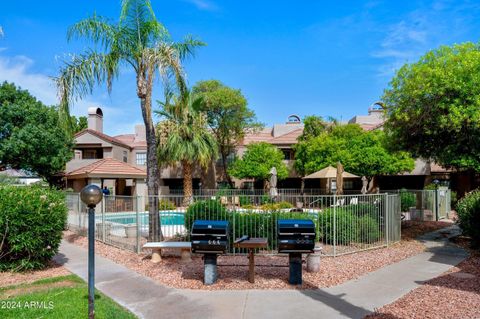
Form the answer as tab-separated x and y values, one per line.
350	226
245	200
165	204
32	220
205	210
468	211
407	200
276	206
453	199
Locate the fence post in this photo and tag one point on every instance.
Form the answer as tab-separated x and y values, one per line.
139	229
102	211
386	218
79	211
334	225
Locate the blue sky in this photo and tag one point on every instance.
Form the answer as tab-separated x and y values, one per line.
305	57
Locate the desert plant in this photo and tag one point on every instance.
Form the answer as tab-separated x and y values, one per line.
468	211
165	204
32	219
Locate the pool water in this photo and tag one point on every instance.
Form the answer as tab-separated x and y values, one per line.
166	218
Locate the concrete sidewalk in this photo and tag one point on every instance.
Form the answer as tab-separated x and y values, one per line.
353	299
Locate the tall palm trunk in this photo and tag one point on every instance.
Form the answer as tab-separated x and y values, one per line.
144	92
187	183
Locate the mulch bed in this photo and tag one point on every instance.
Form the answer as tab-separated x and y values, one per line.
271	271
8	278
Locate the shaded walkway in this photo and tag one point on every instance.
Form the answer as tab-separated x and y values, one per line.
353	299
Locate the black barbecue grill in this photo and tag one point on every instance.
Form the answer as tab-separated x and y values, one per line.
295	236
211	238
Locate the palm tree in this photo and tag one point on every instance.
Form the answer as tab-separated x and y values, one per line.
138	41
184	138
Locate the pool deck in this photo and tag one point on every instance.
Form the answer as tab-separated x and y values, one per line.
353	299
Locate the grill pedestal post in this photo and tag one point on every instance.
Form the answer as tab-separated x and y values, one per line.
295	263
210	269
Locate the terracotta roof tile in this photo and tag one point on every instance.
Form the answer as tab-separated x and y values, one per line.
108	166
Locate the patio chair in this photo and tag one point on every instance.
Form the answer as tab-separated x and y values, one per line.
354	201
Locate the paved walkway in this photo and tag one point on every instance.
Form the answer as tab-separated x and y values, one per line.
353	299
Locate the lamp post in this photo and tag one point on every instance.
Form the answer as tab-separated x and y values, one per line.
436	182
91	195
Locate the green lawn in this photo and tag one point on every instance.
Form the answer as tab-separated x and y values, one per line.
58	297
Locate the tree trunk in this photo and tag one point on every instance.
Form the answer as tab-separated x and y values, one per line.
187	183
225	172
144	92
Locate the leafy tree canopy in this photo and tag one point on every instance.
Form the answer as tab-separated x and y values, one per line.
31	137
257	161
433	106
361	153
79	124
228	115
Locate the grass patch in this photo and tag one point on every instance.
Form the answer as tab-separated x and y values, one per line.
57	297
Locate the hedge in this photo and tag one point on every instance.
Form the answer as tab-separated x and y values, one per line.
407	200
353	223
468	212
31	221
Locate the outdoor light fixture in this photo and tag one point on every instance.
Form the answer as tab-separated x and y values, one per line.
91	195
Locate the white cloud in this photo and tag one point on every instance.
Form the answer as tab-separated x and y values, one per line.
203	4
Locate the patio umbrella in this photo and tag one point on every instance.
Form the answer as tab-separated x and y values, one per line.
273	183
330	172
364	185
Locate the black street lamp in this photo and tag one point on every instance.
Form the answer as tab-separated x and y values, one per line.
91	195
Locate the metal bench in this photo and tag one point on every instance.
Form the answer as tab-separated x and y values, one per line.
184	246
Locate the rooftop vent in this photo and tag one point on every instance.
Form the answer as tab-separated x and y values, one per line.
294	119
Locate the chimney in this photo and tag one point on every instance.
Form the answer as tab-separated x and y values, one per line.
95	119
140	134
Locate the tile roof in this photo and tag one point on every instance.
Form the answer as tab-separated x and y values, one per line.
265	135
108	167
129	139
104	137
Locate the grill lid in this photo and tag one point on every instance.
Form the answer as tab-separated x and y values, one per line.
210	227
296	226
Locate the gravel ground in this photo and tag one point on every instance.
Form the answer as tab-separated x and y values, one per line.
455	294
412	229
271	271
14	278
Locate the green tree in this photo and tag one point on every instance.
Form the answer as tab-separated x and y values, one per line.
361	153
228	117
184	137
257	162
314	126
31	137
79	124
138	41
433	107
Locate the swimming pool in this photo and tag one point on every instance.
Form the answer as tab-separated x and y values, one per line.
166	218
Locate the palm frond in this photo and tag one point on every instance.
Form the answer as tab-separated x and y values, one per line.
95	28
79	76
187	47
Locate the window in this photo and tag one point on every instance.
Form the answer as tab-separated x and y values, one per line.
141	158
288	154
125	156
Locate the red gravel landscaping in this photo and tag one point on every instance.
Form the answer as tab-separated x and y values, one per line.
8	278
271	271
455	294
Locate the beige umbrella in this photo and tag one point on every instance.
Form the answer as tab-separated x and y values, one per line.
330	172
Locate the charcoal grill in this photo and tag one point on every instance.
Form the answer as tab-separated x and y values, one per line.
295	236
210	238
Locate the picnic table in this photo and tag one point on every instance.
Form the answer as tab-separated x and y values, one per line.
252	244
